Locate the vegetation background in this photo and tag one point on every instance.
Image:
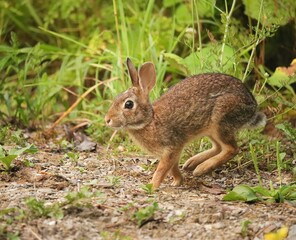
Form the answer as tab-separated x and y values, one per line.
54	51
63	62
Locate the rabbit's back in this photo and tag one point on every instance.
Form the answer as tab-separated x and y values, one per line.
201	100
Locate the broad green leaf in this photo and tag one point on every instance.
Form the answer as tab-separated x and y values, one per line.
241	192
262	191
7	158
205	8
288	129
288	192
274	12
7	161
183	14
29	149
177	62
233	196
2	152
170	3
278	79
208	59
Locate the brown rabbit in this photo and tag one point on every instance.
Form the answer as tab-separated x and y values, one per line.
214	105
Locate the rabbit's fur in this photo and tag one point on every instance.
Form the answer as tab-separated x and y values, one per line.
214	105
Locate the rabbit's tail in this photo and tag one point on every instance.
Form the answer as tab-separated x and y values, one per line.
258	120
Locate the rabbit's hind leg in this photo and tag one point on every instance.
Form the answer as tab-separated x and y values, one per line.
229	149
194	161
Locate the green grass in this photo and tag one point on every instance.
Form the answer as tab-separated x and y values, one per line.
52	53
49	53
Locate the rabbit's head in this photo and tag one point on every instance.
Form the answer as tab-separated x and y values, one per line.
132	109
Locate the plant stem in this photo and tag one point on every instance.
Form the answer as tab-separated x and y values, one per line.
198	28
279	162
118	37
228	16
255	161
256	42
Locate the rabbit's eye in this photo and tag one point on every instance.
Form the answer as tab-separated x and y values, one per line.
129	104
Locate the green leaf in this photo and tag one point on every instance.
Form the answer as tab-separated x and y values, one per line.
241	193
183	14
233	196
2	152
262	191
144	214
208	58
274	12
177	62
170	3
206	8
7	161
278	79
288	129
28	149
288	192
7	158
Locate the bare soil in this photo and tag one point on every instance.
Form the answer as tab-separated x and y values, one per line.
194	211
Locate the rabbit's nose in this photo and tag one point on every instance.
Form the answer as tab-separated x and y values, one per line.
108	120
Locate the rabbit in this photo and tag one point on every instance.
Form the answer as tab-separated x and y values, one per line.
214	105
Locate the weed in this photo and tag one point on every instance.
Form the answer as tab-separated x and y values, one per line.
114	180
114	235
4	234
260	193
34	208
289	131
145	214
255	162
7	157
81	169
244	227
148	188
279	160
38	208
8	217
149	166
81	198
74	156
8	136
28	163
127	207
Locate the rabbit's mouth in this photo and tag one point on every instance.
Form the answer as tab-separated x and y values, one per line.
114	125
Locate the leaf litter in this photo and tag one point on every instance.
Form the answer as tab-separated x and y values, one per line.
124	209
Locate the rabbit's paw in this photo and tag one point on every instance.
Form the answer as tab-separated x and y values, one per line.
190	165
202	169
177	182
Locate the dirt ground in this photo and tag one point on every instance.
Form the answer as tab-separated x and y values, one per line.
193	211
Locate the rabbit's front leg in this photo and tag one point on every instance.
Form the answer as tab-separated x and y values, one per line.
166	163
176	174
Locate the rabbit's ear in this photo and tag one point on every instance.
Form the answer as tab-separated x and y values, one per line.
147	76
132	72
